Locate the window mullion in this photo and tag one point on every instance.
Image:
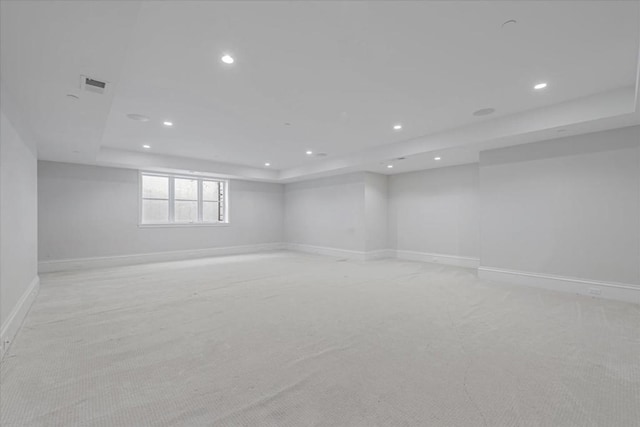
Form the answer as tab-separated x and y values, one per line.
200	203
172	200
221	217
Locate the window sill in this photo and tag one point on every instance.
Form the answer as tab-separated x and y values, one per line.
173	225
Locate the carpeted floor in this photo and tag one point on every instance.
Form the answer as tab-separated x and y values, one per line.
286	339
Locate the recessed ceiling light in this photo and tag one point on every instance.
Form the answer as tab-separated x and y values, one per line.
227	59
138	117
267	164
168	123
389	166
436	158
397	127
146	146
484	112
540	86
309	152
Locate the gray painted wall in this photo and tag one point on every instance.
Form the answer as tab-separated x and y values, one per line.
376	197
568	207
342	212
326	212
92	211
435	211
18	218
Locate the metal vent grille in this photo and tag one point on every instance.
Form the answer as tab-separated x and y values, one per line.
92	85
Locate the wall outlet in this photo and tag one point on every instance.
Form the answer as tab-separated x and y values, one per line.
595	291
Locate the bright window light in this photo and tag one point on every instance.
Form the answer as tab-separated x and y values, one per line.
182	200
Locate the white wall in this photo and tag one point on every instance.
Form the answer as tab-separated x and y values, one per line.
435	211
92	211
567	207
327	212
18	229
376	197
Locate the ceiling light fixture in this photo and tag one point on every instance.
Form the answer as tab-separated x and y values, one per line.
227	59
138	117
436	158
397	127
309	152
168	123
267	164
389	166
540	86
484	112
146	146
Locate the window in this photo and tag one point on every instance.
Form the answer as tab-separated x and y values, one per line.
169	199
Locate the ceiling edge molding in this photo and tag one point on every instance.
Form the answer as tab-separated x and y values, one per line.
616	106
173	164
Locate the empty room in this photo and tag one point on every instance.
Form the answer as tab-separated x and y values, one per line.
319	213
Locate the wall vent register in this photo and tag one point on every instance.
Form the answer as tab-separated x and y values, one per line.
92	85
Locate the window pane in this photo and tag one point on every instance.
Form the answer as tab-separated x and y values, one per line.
155	211
186	189
186	211
155	187
210	211
210	190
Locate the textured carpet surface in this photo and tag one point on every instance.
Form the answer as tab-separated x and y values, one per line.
286	339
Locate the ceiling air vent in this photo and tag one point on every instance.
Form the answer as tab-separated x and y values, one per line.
92	85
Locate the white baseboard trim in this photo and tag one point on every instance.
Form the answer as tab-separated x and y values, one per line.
379	254
609	290
122	260
323	250
13	323
453	260
341	253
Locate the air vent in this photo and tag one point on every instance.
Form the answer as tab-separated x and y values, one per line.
92	85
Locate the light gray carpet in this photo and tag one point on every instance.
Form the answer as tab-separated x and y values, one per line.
297	340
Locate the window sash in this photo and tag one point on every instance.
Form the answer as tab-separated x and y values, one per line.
221	214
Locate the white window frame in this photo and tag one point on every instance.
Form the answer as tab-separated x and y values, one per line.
172	223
